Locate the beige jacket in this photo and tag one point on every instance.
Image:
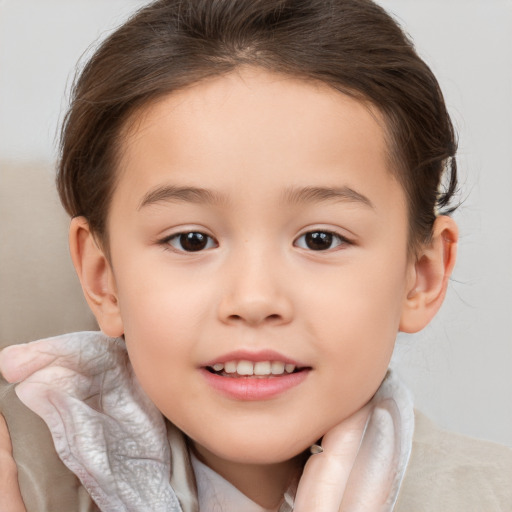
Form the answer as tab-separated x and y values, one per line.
447	472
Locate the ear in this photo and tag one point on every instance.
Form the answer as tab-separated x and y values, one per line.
429	276
96	277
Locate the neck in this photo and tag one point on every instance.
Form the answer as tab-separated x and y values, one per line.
265	484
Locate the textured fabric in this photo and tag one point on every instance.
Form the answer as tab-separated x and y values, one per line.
104	427
107	432
183	479
217	494
445	471
46	483
370	482
363	462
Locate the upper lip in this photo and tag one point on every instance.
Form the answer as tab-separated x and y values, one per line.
254	356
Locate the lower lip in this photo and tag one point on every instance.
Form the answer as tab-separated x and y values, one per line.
254	388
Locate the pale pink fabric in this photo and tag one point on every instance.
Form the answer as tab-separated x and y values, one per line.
113	438
104	427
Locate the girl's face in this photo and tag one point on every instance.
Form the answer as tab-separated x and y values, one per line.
256	225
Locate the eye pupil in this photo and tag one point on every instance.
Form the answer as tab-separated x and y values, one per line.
318	240
193	241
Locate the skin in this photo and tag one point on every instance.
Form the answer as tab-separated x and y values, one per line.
257	142
9	488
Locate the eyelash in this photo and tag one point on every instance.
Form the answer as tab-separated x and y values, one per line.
180	238
177	241
322	236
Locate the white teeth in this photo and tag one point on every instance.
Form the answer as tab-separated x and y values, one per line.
245	368
277	367
289	368
230	367
262	368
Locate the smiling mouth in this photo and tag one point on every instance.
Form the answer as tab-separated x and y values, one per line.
260	369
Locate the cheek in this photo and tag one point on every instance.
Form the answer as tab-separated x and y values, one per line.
166	312
163	351
360	313
359	299
158	299
162	324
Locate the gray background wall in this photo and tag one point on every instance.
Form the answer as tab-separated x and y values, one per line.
460	367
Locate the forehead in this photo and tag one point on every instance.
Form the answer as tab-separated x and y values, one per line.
229	131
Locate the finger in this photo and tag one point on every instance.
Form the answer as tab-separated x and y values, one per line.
321	486
9	488
18	362
373	473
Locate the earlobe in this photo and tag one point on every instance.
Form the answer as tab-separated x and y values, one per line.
96	277
430	276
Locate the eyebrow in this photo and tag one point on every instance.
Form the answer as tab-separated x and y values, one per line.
321	194
172	193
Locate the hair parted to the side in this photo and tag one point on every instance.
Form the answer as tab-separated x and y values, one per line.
352	45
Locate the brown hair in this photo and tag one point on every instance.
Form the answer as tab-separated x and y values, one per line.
352	45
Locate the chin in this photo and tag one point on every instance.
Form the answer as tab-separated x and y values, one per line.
266	449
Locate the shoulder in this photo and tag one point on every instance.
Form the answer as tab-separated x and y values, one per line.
449	471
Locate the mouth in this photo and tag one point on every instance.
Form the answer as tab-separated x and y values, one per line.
258	369
254	377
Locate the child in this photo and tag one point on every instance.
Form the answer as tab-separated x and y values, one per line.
255	189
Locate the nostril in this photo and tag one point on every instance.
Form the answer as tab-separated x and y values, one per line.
255	319
254	310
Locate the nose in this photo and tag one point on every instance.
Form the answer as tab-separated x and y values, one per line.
255	291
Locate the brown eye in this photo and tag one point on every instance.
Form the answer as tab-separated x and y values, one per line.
192	241
319	241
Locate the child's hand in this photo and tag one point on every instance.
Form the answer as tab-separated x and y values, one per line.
10	495
325	475
362	459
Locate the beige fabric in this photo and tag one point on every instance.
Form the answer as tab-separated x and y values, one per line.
447	472
40	294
